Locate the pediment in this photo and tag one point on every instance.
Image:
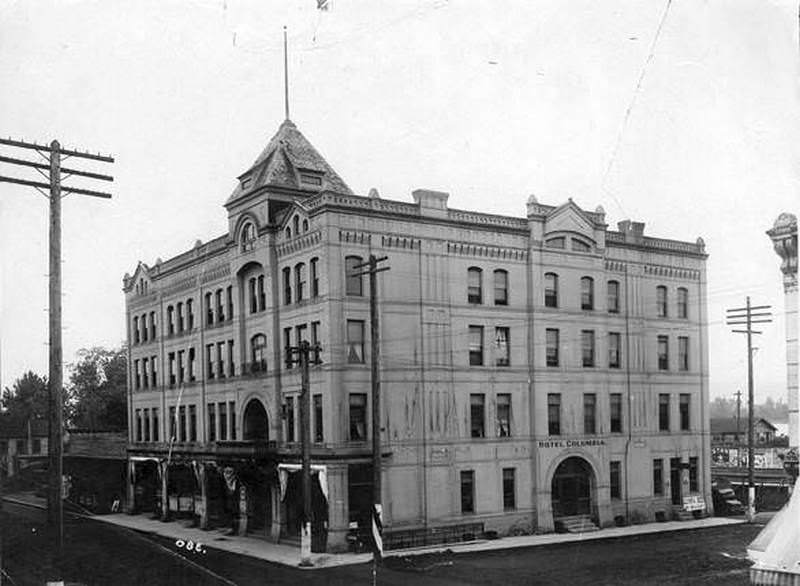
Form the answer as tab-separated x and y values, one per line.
569	218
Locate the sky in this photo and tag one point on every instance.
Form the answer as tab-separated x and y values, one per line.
488	101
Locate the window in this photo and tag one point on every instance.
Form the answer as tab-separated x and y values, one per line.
467	491
353	277
551	344
232	415
300	333
613	350
221	359
613	297
248	230
683	353
587	347
179	311
500	287
550	290
509	489
152	325
290	419
262	295
661	301
171	359
683	303
182	422
229	299
155	424
317	407
287	286
137	377
189	315
173	424
258	353
663	353
138	430
504	415
192	423
358	417
209	309
37	446
693	484
589	413
477	409
145	373
580	246
305	225
587	293
314	266
355	341
192	365
476	345
474	285
315	342
615	411
153	373
220	307
309	179
135	330
299	281
663	412
658	477
170	320
144	328
616	480
253	297
558	242
209	361
501	339
231	366
146	418
683	407
554	414
181	369
296	219
212	422
287	346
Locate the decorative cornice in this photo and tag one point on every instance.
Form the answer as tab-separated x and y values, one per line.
215	273
481	250
355	237
298	243
672	272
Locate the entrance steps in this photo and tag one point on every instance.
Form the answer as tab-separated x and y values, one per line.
680	514
576	524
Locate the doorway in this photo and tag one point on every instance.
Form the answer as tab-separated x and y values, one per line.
572	488
675	480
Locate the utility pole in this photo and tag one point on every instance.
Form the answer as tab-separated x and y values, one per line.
738	432
55	173
745	316
301	355
371	268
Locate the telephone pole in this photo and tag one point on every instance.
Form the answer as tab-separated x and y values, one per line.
738	421
55	191
371	268
747	316
302	355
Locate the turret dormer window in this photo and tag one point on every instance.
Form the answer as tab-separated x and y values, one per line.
311	178
248	238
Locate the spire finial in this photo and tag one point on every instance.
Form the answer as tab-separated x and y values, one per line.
285	74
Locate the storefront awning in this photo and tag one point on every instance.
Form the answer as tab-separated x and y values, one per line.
322	476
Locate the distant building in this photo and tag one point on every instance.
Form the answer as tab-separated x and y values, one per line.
533	368
727	431
21	442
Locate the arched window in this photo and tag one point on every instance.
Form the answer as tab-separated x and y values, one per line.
288	233
613	296
299	281
262	294
580	246
287	285
587	293
474	285
209	309
179	309
170	320
353	277
253	295
248	237
683	303
500	287
305	225
136	330
550	290
258	353
661	301
314	264
296	224
558	242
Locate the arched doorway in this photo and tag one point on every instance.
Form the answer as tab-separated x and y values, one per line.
573	488
255	423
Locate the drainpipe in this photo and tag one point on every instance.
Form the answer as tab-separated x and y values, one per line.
630	398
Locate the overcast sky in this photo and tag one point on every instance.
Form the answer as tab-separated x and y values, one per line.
489	101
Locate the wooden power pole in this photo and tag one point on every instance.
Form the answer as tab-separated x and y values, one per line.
745	316
53	190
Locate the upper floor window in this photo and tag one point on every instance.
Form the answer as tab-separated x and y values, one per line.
296	224
587	347
314	264
353	277
179	310
287	285
614	350
683	353
305	225
170	320
258	352
311	178
136	330
663	352
580	246
300	281
262	295
551	346
209	309
253	296
551	290
553	413
477	418
587	293
248	238
558	242
613	296
661	301
501	339
476	345
683	303
355	341
474	285
503	415
189	314
500	287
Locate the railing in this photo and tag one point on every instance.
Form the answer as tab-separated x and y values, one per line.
408	538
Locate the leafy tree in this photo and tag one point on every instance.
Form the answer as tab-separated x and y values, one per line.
98	389
27	398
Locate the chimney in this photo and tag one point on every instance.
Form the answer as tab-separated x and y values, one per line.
632	231
431	203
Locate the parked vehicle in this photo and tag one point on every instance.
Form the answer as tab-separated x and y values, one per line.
725	500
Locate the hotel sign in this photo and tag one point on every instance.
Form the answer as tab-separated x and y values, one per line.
571	443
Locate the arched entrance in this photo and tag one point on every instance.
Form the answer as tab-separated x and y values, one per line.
255	424
573	488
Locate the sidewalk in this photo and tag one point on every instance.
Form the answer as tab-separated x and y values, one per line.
290	555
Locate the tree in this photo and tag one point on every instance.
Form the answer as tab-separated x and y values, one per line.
97	389
27	399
